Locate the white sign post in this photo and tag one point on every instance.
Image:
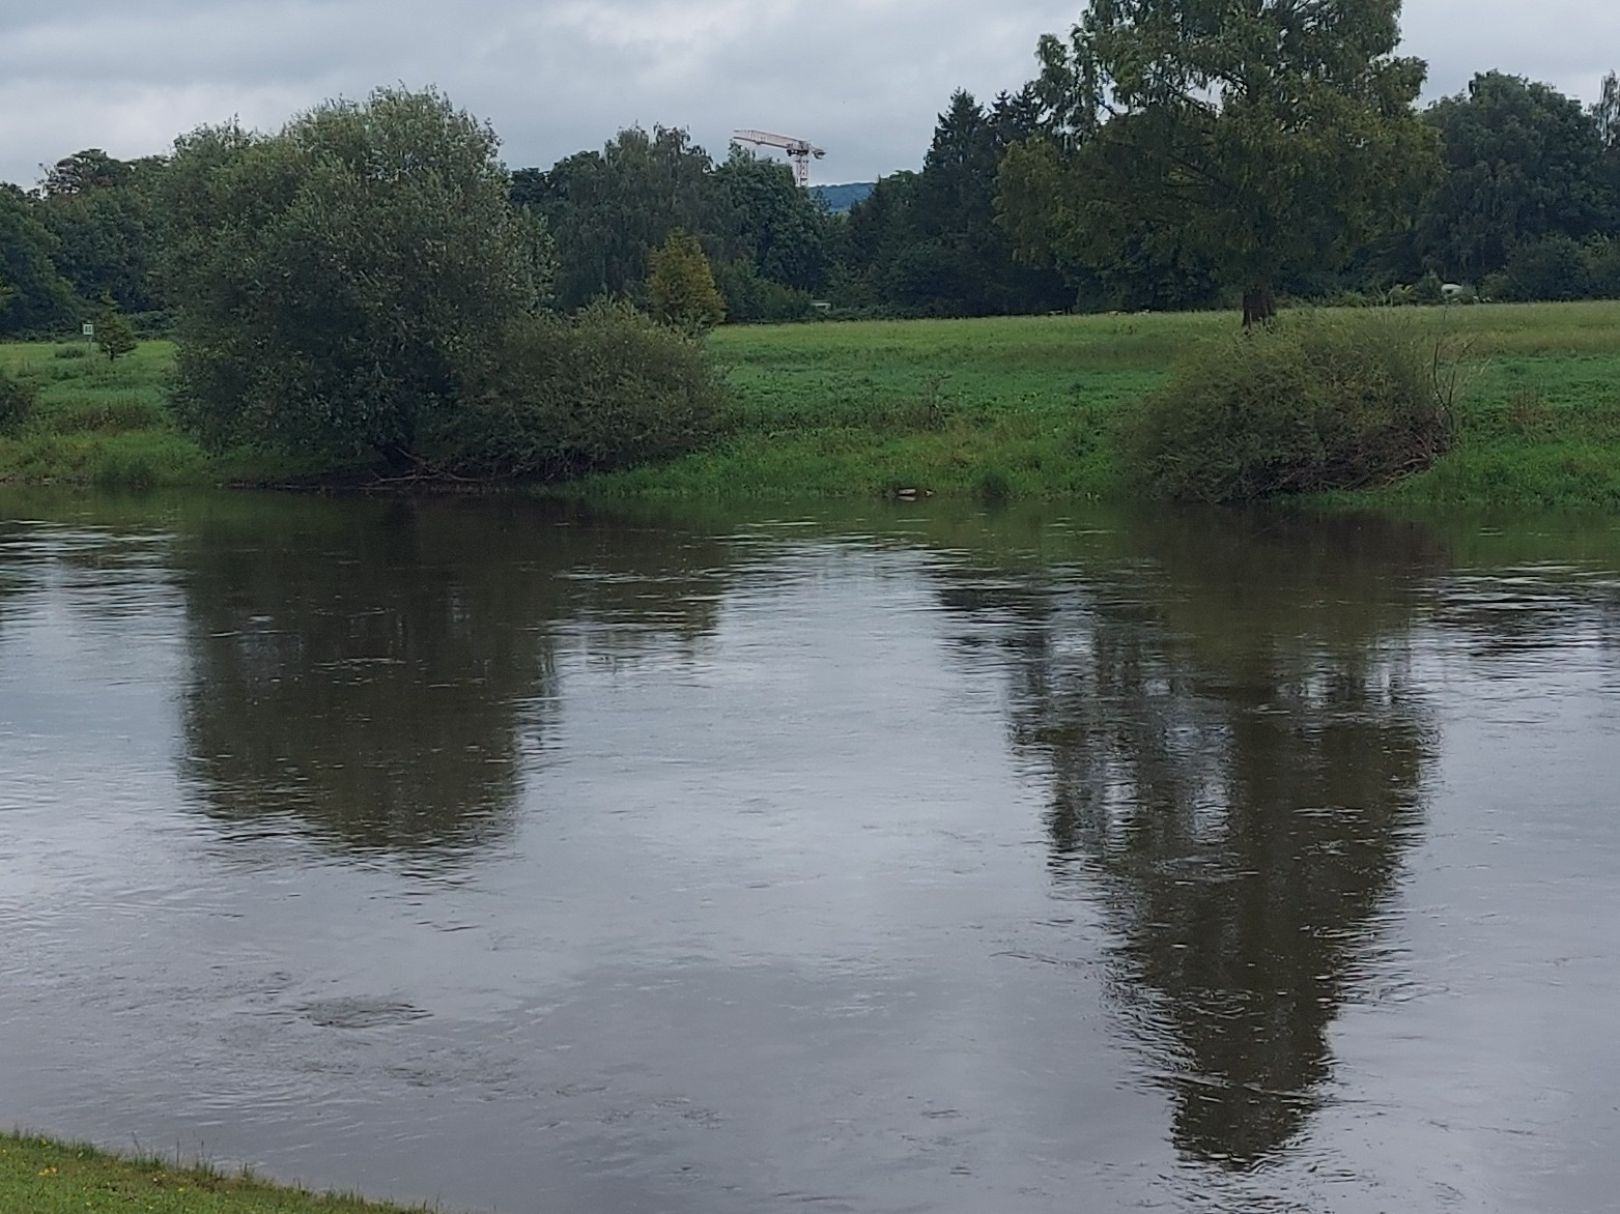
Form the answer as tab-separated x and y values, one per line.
89	331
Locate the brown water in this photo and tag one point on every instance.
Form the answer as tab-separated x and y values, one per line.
912	860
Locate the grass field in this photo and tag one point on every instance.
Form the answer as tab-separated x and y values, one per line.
97	422
1026	407
998	408
38	1176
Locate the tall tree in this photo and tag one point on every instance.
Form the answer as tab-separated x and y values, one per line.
108	233
83	172
954	266
610	209
1523	162
1261	135
877	227
341	283
782	230
928	242
33	296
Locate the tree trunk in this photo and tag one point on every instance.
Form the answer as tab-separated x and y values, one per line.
1259	307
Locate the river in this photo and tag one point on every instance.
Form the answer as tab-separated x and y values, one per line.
921	858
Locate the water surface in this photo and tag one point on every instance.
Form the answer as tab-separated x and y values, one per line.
918	859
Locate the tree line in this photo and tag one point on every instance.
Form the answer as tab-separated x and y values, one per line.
372	290
358	296
1087	189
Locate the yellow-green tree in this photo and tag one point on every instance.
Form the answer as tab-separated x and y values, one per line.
681	284
113	333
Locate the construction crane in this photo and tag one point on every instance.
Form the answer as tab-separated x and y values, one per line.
799	151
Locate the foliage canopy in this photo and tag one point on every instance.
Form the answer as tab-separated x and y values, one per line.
1174	154
113	334
33	294
340	282
1523	161
928	243
612	209
680	283
1260	136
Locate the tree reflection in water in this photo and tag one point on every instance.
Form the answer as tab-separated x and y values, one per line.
1236	757
375	672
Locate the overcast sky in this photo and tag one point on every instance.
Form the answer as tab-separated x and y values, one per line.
864	78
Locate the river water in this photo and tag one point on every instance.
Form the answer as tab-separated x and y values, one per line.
910	859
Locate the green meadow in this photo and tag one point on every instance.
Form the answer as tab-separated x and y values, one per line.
1007	408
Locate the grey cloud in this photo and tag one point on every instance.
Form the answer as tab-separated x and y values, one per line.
1568	43
864	78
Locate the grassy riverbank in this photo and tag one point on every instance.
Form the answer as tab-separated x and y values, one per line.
1015	408
39	1176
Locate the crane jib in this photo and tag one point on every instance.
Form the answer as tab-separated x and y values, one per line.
799	151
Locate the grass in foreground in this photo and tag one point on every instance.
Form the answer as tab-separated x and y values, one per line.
39	1176
1016	408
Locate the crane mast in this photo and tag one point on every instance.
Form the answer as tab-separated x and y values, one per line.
799	151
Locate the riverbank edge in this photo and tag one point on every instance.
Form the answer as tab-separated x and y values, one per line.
1543	437
1498	480
41	1174
1503	477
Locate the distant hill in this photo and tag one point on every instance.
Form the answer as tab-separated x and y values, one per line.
840	198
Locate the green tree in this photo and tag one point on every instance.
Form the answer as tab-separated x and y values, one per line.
750	296
956	206
1552	268
681	286
929	243
610	209
113	333
952	263
339	283
107	235
34	298
1523	162
773	224
82	173
878	228
1263	137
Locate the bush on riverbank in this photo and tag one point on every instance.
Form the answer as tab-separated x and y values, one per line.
16	403
606	389
1308	406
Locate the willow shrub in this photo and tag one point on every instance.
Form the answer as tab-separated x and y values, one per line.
607	388
342	281
1303	406
16	403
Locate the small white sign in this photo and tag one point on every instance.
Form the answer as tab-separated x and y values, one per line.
89	329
